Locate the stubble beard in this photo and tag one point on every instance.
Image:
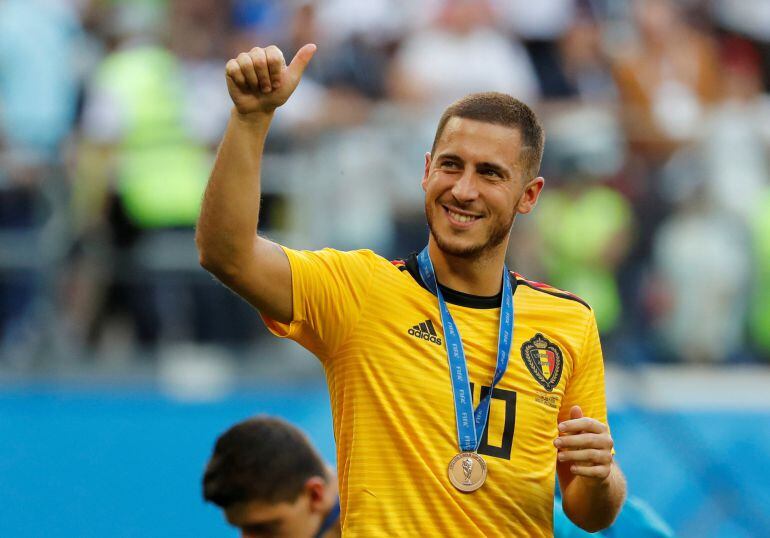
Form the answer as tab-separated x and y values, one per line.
496	236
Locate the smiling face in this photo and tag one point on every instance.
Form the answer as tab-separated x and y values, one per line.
475	185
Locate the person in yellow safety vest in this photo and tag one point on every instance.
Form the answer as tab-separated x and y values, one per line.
759	314
160	170
582	252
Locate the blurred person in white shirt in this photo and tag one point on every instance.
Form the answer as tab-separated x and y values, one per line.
461	52
539	26
702	263
736	139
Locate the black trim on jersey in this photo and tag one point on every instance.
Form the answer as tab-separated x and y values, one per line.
563	295
453	296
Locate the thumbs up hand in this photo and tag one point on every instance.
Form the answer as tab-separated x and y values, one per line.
585	445
260	80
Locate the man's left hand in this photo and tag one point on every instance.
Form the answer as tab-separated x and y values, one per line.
586	445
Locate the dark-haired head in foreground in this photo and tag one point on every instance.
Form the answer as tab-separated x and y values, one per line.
269	480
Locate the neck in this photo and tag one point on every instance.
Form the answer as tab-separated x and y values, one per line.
481	275
332	496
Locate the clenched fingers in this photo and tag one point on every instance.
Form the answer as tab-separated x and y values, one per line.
258	70
584	424
584	440
591	471
590	456
246	65
275	65
233	70
259	61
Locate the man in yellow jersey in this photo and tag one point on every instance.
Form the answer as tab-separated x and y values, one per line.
458	389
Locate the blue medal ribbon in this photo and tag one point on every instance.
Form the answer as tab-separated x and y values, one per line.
469	430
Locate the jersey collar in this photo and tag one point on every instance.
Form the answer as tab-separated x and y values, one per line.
458	297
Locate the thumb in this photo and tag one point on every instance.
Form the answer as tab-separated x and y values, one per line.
575	412
301	59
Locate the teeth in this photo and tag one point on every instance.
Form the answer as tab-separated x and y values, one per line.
461	218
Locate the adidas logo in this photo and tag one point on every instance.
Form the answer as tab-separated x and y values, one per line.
425	331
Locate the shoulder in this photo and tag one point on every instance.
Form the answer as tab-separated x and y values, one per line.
550	293
363	255
352	262
332	254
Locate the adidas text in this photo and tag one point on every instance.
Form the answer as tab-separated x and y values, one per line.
425	331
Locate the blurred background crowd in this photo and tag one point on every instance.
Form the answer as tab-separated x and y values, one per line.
657	201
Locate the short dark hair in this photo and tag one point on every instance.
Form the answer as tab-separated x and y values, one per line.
262	459
500	109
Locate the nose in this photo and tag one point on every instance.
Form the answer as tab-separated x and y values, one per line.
465	189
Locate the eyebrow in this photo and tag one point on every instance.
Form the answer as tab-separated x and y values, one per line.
448	156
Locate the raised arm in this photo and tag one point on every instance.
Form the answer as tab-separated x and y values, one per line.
228	245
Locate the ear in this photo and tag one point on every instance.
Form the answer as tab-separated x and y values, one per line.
315	489
426	172
529	197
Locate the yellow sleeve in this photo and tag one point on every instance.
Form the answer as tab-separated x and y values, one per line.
586	384
328	291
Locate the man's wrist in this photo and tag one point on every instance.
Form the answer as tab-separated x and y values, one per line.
257	117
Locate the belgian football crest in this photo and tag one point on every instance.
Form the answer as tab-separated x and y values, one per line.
544	360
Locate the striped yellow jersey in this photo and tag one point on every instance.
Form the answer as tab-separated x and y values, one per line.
378	333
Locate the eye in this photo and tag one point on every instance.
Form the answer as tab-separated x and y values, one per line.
449	164
490	172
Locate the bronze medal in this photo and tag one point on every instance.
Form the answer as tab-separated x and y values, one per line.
467	471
